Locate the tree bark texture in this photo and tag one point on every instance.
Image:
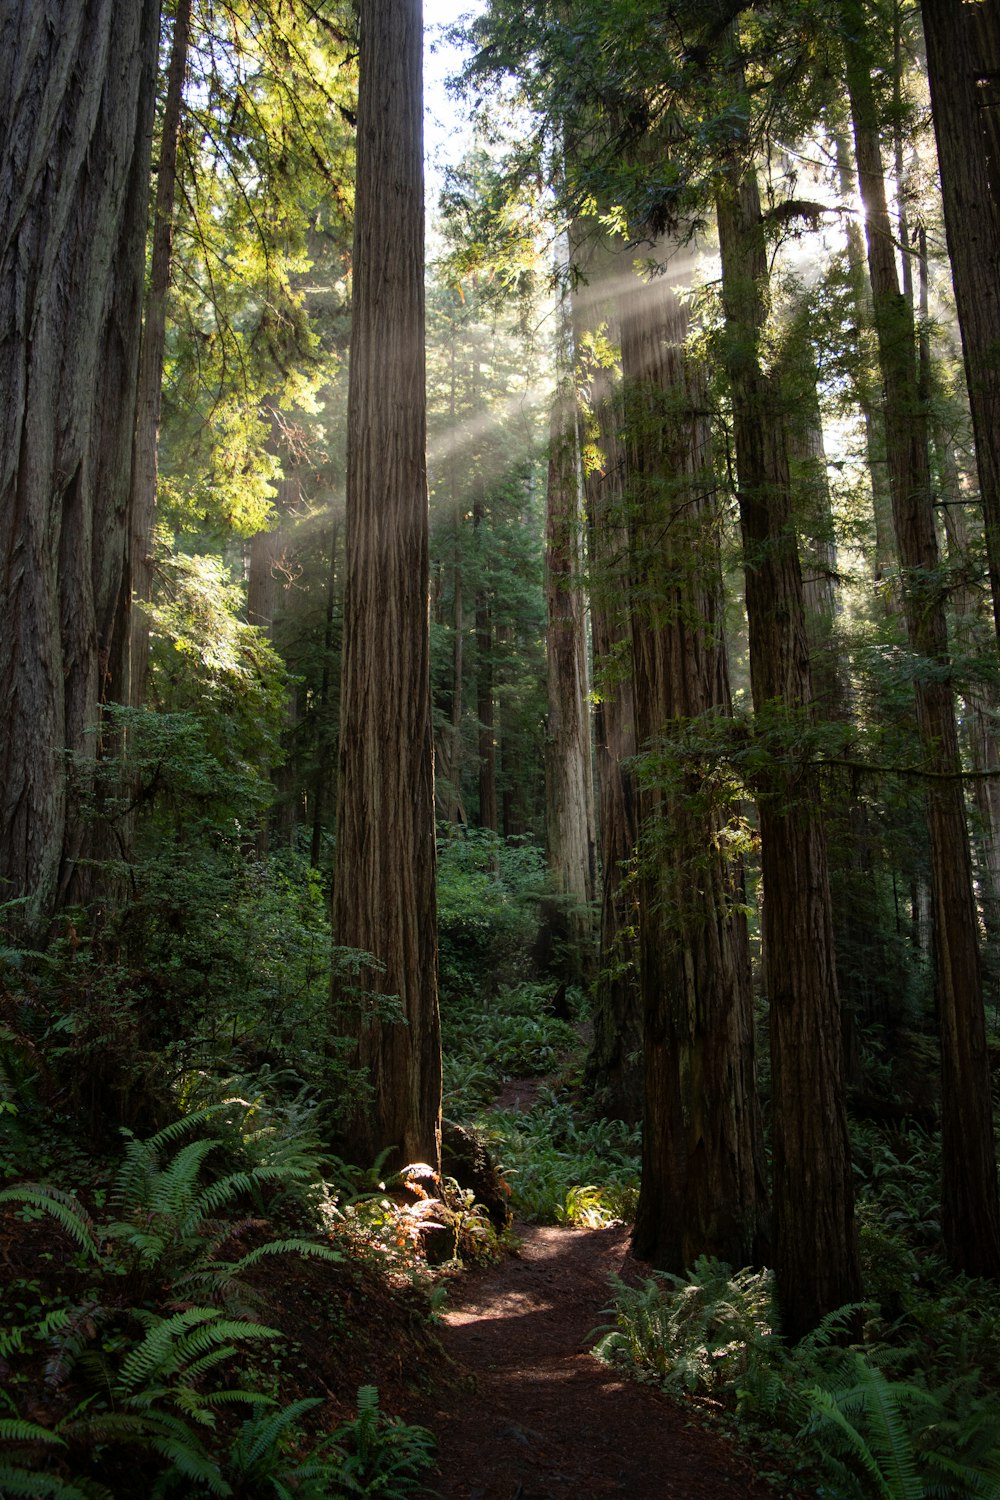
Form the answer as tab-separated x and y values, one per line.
970	1199
569	783
972	226
147	425
76	106
613	1074
702	1190
815	1243
384	901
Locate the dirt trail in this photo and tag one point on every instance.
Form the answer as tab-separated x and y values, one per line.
540	1418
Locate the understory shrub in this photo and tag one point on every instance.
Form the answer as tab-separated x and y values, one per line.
565	1170
853	1421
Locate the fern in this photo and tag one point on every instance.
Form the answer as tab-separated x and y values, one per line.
191	1463
882	1437
287	1247
61	1205
13	1430
173	1343
40	1486
384	1456
260	1434
866	1422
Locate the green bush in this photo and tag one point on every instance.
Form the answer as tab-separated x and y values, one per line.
488	894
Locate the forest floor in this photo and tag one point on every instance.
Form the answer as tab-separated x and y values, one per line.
530	1413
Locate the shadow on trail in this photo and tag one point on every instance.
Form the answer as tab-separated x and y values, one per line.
537	1417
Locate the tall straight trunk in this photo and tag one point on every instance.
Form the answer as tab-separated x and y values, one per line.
982	705
815	1243
486	735
869	397
613	1075
267	555
702	1183
972	226
569	785
147	426
970	1201
76	117
384	900
448	761
325	712
799	378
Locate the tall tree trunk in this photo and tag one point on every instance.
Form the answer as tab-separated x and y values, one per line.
569	785
448	760
326	724
384	900
972	226
702	1187
613	1074
869	396
268	551
147	426
970	1200
76	116
488	813
815	1243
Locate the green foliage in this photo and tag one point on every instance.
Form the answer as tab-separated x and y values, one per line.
380	1455
694	1333
876	1436
553	1158
488	1040
488	892
206	661
162	1386
831	1411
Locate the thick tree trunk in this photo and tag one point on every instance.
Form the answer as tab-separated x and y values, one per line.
76	104
384	901
972	226
569	785
702	1187
147	426
970	1200
815	1243
613	1075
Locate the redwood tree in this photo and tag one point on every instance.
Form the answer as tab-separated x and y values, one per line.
815	1242
970	1209
702	1189
384	900
76	115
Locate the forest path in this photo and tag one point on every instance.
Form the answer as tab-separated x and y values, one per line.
539	1417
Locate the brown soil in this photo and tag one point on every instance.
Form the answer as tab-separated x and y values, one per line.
534	1416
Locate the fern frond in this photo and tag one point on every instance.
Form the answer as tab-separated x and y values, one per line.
61	1205
214	1197
287	1247
174	1343
192	1464
869	1419
173	1188
158	1348
15	1481
260	1433
14	1430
